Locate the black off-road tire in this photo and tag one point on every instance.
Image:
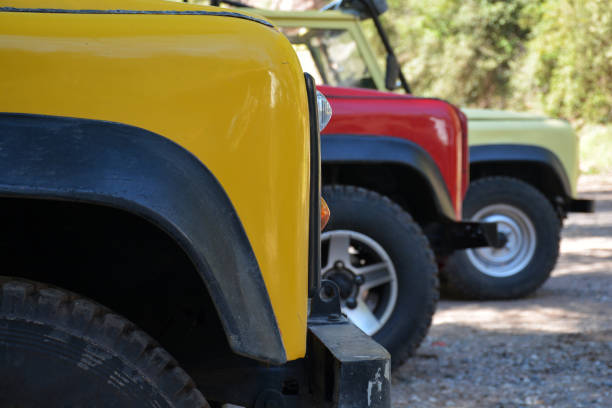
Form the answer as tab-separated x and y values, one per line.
376	216
461	278
60	350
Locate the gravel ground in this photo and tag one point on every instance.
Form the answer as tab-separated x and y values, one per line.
552	349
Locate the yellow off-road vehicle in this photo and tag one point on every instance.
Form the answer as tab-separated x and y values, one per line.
160	212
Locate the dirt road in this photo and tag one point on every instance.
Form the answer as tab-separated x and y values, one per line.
553	349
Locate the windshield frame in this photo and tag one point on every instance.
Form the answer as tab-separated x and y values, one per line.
343	22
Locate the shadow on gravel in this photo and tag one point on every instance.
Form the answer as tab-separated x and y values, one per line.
595	193
602	204
576	231
598	268
465	367
598	272
550	349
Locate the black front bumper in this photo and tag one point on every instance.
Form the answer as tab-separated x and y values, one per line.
343	368
581	205
467	234
347	369
451	236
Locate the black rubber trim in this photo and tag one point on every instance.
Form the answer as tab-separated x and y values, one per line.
138	171
517	153
138	12
344	148
314	238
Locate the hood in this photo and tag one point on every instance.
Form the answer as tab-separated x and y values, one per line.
491	114
343	92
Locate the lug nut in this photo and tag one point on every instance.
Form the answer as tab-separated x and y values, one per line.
339	265
351	302
359	280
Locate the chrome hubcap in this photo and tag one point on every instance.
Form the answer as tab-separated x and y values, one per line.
365	275
518	250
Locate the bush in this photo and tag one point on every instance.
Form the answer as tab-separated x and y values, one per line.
550	55
458	49
568	66
596	149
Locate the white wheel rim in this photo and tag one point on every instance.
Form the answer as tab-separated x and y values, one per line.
519	248
377	296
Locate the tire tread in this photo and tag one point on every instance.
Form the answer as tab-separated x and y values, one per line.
455	286
407	222
48	304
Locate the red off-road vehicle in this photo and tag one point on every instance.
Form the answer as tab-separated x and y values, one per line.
395	170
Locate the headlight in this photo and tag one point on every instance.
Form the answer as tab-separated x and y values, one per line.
325	110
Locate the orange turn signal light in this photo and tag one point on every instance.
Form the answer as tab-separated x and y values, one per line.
324	213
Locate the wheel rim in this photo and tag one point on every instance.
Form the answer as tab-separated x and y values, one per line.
520	244
363	271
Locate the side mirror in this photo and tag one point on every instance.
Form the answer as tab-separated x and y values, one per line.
380	6
362	8
392	73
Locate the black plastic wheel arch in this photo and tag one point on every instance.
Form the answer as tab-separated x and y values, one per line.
517	153
370	149
132	169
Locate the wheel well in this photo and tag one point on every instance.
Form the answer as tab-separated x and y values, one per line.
539	175
402	184
119	260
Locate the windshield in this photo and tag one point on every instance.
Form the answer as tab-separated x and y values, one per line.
331	56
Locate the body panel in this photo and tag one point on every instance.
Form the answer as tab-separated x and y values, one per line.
557	136
431	123
134	69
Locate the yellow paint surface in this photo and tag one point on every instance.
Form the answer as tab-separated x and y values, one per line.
230	91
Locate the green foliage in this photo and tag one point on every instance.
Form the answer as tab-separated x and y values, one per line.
568	68
596	149
550	55
459	49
